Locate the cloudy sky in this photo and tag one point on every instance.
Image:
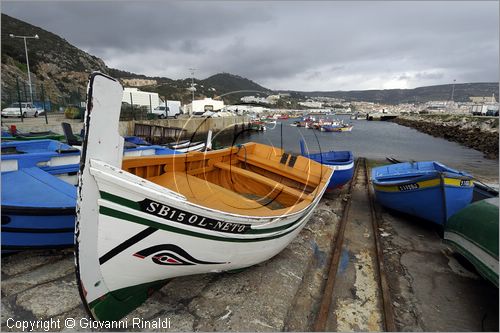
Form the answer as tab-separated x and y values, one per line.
299	45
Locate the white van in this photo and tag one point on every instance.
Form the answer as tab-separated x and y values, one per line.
171	109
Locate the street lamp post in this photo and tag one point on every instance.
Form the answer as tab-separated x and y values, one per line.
27	60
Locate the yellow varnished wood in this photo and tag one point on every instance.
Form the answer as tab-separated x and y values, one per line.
245	180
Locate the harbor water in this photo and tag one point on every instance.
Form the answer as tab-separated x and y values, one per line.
374	140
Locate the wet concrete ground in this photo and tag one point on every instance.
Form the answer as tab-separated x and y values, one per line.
431	289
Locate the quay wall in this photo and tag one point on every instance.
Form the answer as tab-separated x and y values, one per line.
477	132
196	126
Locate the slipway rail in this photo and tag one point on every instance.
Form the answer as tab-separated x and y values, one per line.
326	316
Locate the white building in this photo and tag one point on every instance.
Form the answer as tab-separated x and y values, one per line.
200	106
244	109
142	98
311	104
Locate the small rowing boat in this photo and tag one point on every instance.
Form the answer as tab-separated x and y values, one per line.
473	232
38	210
340	161
15	135
150	219
429	190
336	128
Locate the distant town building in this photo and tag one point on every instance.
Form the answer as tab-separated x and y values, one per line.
483	99
198	107
311	104
141	98
139	82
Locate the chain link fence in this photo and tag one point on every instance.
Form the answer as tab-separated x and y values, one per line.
71	105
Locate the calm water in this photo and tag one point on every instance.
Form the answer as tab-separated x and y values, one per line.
378	140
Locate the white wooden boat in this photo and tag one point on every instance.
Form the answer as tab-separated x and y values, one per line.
143	220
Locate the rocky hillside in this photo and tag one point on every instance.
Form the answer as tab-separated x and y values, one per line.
61	67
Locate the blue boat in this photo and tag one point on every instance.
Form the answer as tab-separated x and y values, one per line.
38	210
58	158
340	161
429	190
38	193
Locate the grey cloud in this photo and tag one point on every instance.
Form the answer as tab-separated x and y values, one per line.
287	45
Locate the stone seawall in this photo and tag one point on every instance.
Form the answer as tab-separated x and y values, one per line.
480	133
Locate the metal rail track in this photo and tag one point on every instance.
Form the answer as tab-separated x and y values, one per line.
386	310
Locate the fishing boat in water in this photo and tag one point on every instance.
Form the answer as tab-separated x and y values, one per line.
336	128
429	190
340	161
150	219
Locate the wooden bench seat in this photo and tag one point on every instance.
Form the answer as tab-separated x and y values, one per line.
283	170
202	192
263	180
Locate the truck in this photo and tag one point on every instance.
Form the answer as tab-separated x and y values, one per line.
168	109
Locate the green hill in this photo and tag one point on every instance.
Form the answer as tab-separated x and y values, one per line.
422	94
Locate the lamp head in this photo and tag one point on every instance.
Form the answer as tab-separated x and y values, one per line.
11	35
36	37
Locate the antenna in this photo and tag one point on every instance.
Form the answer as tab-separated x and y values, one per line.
192	83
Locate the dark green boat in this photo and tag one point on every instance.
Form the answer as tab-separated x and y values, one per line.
473	232
47	135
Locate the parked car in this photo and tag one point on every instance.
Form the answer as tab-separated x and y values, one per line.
28	110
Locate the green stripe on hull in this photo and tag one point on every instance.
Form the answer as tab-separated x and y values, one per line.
119	200
117	304
135	205
136	219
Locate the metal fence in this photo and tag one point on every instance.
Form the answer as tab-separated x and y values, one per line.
20	93
72	104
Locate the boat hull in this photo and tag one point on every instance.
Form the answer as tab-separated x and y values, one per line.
141	221
30	232
473	232
38	210
428	190
427	201
342	162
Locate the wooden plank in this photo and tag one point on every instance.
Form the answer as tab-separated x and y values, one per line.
264	180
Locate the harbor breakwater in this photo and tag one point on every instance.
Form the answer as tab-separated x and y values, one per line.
480	133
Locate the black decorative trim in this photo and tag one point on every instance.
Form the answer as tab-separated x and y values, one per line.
38	231
126	244
171	251
39	211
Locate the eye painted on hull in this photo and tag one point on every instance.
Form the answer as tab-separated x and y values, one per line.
171	255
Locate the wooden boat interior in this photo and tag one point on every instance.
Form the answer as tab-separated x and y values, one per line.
251	179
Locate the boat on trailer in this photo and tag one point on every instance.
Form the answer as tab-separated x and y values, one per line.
429	190
149	219
340	161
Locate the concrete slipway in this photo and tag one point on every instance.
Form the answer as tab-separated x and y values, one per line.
430	288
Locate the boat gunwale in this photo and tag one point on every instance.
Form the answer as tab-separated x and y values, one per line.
97	172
